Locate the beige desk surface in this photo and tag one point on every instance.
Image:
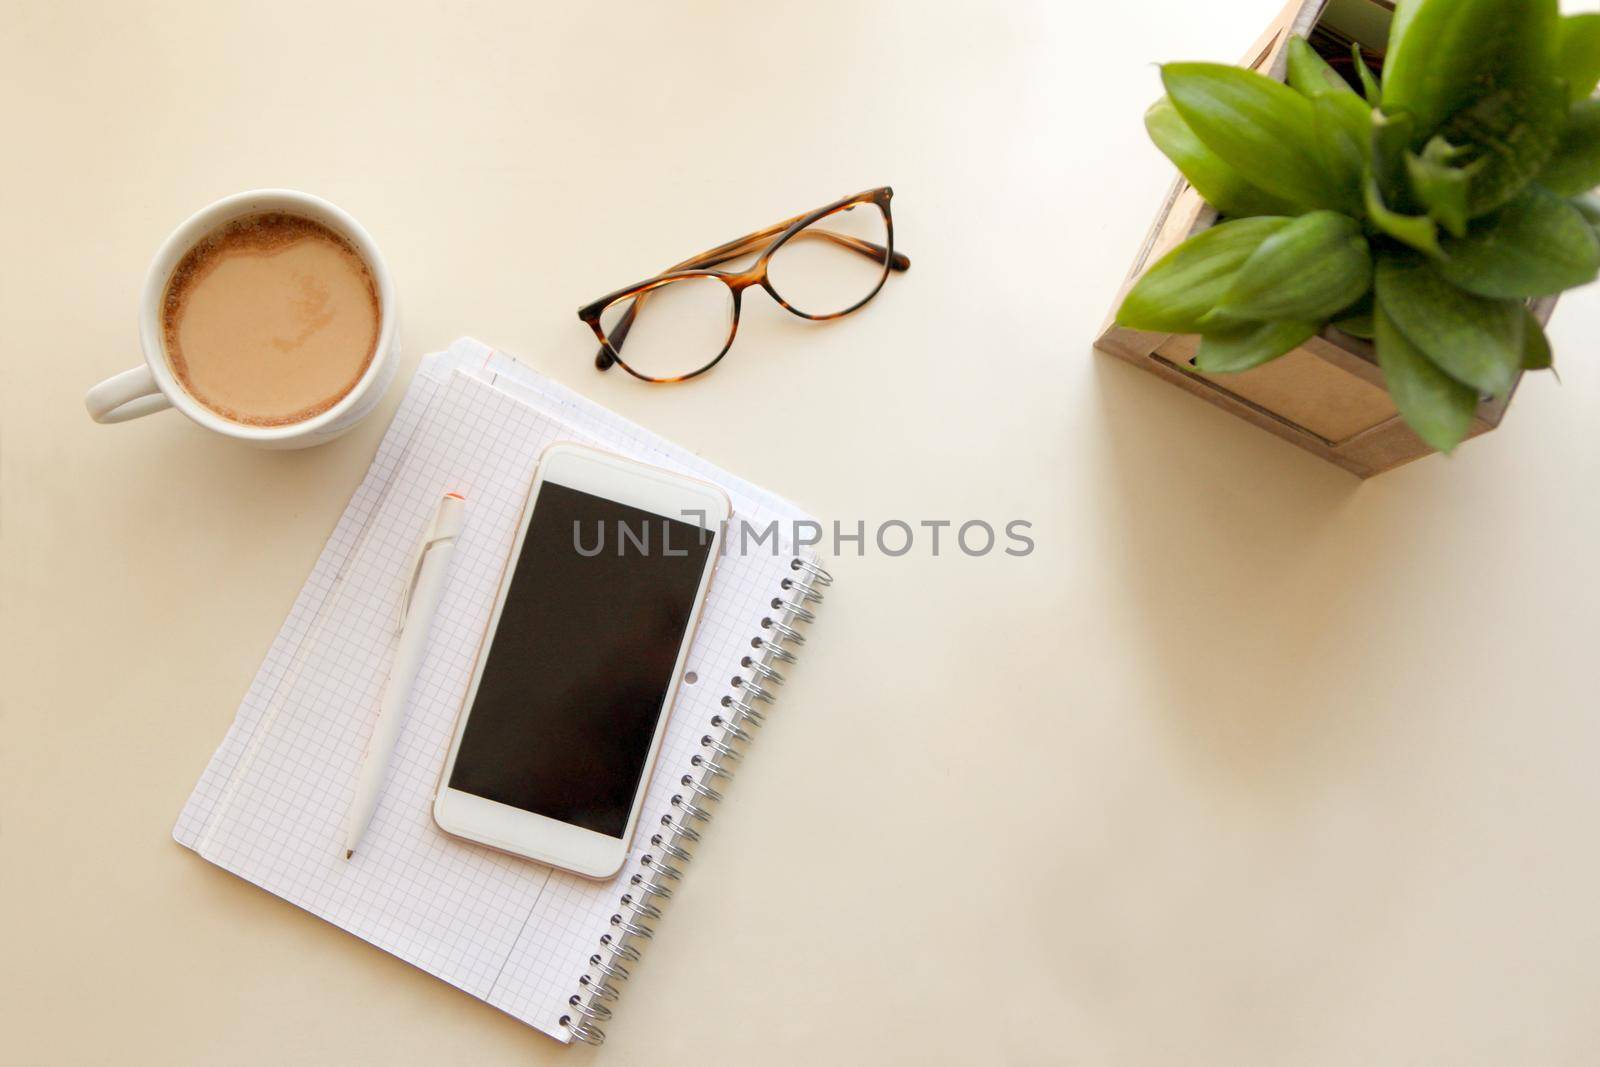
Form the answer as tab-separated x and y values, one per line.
1248	763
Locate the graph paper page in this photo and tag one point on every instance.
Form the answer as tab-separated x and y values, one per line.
271	806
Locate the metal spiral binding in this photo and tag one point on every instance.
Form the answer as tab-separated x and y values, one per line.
648	887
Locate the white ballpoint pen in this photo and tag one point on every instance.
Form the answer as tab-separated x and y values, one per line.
427	578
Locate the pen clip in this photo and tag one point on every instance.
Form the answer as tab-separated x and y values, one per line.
416	571
411	584
444	528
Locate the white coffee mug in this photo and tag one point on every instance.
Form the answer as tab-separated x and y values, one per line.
152	386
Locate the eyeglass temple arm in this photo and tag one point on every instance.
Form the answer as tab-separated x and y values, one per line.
735	249
618	334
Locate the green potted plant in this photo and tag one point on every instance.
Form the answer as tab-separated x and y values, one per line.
1421	217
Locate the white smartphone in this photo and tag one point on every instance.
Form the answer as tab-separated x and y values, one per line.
561	726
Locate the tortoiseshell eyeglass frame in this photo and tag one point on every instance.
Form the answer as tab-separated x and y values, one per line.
700	266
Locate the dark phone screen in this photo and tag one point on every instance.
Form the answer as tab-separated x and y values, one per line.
579	667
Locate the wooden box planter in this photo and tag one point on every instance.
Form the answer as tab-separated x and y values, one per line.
1328	395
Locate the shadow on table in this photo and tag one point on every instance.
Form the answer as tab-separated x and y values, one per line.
1244	570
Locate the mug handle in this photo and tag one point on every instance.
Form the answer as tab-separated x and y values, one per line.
126	396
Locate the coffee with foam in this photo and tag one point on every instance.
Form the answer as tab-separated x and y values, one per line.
270	319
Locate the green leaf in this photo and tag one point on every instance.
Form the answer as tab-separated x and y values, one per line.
1358	323
1574	166
1589	207
1445	54
1509	135
1476	341
1222	187
1261	128
1343	126
1188	282
1578	54
1440	185
1418	231
1399	26
1390	141
1250	346
1307	271
1538	245
1387	190
1536	353
1435	406
1309	73
1369	84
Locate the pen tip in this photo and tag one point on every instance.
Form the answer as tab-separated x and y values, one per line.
349	852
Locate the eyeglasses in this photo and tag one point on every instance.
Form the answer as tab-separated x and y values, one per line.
820	265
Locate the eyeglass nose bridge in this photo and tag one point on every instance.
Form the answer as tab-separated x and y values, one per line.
756	276
739	281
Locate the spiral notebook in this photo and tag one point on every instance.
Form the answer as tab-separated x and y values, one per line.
545	946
